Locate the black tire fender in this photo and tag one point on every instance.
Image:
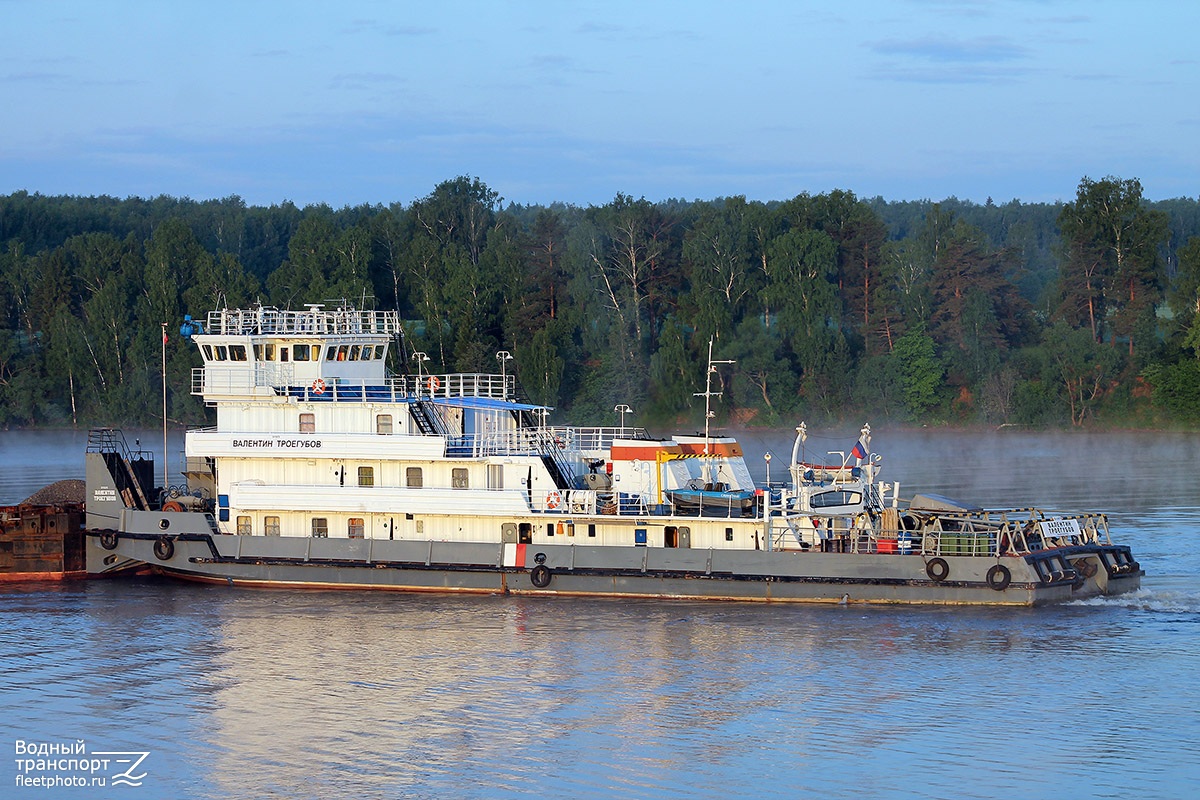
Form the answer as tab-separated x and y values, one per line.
164	548
999	577
540	576
937	569
108	540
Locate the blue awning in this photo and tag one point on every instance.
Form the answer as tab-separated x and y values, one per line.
486	403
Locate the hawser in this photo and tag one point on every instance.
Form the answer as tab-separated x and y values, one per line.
325	470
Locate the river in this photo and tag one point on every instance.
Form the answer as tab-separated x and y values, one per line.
292	694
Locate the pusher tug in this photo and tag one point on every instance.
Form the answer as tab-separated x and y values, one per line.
325	471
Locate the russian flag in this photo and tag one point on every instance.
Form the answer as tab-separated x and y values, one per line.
860	450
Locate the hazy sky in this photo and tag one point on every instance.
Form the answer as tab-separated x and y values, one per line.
359	101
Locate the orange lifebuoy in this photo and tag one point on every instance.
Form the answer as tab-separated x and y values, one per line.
434	384
553	500
318	386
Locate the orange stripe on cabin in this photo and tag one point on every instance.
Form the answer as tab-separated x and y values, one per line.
726	449
643	452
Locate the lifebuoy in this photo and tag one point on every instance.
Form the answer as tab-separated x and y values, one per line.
434	384
999	577
937	569
318	386
164	548
553	499
540	576
108	540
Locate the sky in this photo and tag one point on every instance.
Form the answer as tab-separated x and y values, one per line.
378	101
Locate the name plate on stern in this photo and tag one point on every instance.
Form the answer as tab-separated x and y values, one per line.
1057	528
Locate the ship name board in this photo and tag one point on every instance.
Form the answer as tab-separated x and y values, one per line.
1056	526
267	444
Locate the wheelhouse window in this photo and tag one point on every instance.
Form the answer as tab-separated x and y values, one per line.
308	423
208	353
413	478
269	352
271	526
306	352
460	478
354	351
355	528
222	352
237	352
244	527
366	476
320	528
330	352
383	424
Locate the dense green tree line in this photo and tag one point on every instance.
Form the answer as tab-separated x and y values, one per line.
830	305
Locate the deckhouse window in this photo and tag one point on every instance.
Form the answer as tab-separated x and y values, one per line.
341	352
459	478
495	476
354	351
320	528
208	354
383	424
271	526
355	528
237	352
300	352
308	423
244	528
836	498
330	352
283	352
413	477
366	476
222	352
269	352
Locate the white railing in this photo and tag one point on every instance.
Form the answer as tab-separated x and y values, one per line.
312	322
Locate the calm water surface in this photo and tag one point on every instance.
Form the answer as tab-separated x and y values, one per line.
249	694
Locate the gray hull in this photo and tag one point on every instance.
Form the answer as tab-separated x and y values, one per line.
191	551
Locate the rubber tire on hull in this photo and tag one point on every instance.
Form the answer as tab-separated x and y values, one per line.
998	577
164	548
937	569
108	540
540	576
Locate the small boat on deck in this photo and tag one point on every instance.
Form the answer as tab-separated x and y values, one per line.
325	470
713	496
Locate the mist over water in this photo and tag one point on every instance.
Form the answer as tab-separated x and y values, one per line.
240	693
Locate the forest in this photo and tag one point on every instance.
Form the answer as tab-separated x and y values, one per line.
831	307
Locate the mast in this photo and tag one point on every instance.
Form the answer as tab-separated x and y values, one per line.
708	394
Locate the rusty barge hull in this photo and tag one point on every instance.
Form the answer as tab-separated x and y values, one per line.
42	543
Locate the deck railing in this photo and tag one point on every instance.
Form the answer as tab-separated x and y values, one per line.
311	322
